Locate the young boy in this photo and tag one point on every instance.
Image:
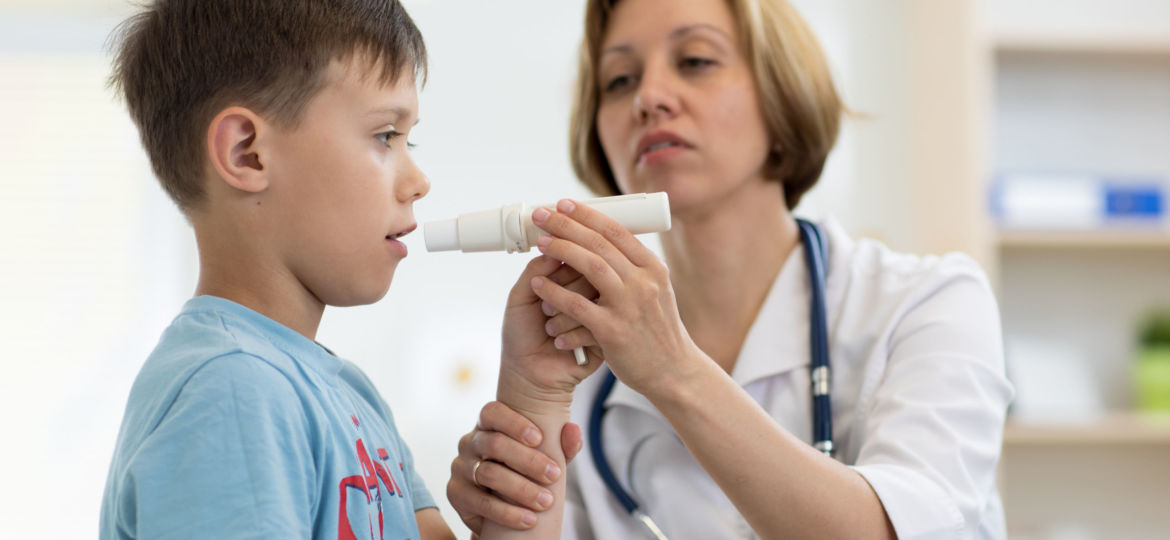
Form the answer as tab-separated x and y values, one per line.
280	127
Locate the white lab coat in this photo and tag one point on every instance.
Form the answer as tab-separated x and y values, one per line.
918	400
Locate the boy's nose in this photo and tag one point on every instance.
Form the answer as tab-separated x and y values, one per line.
413	184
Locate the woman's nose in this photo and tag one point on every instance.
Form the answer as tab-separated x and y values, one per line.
656	96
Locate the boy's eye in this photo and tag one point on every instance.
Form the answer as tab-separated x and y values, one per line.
386	136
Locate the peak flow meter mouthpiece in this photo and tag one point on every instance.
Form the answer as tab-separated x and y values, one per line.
510	228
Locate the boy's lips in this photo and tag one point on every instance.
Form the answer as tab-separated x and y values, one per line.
393	242
402	232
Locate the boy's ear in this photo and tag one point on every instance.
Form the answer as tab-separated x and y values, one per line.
235	149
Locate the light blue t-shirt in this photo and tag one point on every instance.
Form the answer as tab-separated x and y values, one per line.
239	427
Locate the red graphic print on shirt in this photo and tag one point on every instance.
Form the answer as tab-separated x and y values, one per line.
375	476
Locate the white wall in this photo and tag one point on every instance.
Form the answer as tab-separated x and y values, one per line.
96	261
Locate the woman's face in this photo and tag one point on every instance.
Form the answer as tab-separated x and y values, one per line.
679	110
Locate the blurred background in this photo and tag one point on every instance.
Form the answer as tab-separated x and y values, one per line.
1032	134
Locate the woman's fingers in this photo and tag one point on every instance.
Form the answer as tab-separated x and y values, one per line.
496	416
499	475
507	437
571	441
493	476
561	226
608	229
475	504
600	273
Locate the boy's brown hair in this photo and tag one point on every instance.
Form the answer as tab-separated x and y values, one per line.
180	62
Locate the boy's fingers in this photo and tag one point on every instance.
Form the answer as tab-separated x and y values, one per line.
572	280
521	294
560	324
570	303
582	287
496	416
577	337
564	275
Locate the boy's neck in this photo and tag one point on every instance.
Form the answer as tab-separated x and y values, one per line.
300	312
233	272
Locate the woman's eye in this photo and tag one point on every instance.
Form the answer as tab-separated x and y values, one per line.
695	62
617	83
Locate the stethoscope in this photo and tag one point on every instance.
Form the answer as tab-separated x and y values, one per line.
816	259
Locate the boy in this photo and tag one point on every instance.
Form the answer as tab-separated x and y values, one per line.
279	127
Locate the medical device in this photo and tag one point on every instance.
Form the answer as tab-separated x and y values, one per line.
510	228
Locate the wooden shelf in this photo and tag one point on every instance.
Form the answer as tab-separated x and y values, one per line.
1142	238
1125	428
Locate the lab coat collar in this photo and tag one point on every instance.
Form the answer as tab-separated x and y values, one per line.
778	340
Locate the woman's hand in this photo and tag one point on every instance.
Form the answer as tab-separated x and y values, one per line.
635	320
510	469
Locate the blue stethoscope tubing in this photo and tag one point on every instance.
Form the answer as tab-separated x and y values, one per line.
816	259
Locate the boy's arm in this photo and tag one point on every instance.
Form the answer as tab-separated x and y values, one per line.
537	380
431	525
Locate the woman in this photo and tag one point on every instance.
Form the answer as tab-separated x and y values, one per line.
729	108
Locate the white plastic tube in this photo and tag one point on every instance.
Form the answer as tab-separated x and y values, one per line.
510	228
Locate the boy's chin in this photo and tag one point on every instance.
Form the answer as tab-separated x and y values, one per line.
362	297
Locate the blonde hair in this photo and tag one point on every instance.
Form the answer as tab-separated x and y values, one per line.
801	108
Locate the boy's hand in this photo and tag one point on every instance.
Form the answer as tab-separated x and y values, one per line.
510	469
537	377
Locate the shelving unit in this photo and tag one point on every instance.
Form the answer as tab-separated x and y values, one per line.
1084	88
1116	429
1120	240
1103	43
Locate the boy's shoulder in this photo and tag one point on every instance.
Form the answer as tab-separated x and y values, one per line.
216	350
214	337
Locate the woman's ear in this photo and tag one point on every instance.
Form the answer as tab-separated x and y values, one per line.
234	146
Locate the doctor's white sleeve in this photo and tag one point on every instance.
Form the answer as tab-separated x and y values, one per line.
933	427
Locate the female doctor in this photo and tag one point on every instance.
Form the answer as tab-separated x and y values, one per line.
781	379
